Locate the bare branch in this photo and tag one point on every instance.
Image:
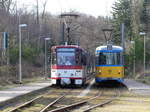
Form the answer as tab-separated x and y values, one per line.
44	7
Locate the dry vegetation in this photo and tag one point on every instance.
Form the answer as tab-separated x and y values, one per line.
40	24
86	30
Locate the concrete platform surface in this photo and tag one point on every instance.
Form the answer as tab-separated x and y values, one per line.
135	85
8	94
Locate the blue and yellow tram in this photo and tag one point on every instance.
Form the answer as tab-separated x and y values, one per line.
109	63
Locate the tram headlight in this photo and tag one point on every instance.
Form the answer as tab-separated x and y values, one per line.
99	72
119	72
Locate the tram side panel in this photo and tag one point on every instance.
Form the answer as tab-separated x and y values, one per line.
109	73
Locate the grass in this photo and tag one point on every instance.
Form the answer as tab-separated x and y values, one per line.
128	102
145	79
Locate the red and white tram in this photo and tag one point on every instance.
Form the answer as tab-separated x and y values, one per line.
68	65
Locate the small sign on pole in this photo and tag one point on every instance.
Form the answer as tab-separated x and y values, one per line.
5	40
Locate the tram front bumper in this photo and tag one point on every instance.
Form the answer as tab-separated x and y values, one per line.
65	81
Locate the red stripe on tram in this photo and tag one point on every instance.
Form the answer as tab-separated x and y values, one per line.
66	67
67	77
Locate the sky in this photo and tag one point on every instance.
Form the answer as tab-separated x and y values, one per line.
91	7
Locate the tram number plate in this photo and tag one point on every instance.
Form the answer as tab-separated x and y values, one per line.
78	81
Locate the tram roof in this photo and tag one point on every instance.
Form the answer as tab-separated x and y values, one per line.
66	46
113	48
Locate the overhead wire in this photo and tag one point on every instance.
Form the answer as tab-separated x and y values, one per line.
67	20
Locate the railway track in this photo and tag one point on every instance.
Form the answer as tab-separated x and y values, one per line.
80	103
24	104
67	100
52	98
86	102
28	103
107	101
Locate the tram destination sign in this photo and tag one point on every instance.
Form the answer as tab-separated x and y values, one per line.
65	49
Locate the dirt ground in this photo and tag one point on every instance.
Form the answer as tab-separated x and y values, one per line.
129	101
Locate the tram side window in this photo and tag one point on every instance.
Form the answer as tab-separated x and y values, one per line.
102	59
53	58
97	60
119	59
78	58
116	58
83	60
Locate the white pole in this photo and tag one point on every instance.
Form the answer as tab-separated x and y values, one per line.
144	34
20	64
134	60
20	67
133	43
144	56
122	41
45	61
122	35
46	39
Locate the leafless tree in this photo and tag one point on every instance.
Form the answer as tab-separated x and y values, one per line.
44	7
5	5
86	29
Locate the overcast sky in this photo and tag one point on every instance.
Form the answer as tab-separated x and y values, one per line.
91	7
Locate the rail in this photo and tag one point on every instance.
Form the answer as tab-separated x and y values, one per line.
33	100
52	103
104	103
72	106
25	104
62	109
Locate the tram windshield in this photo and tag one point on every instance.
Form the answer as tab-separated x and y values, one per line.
65	56
109	58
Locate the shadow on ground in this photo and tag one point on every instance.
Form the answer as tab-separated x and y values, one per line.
110	84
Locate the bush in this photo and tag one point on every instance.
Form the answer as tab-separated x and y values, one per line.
14	54
138	53
29	54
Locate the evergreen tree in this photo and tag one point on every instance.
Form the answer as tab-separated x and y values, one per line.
121	14
145	16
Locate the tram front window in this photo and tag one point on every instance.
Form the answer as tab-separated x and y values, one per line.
66	57
110	58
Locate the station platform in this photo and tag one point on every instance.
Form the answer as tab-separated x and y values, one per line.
137	87
22	89
134	85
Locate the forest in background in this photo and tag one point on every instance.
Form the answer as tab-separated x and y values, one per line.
135	14
86	30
